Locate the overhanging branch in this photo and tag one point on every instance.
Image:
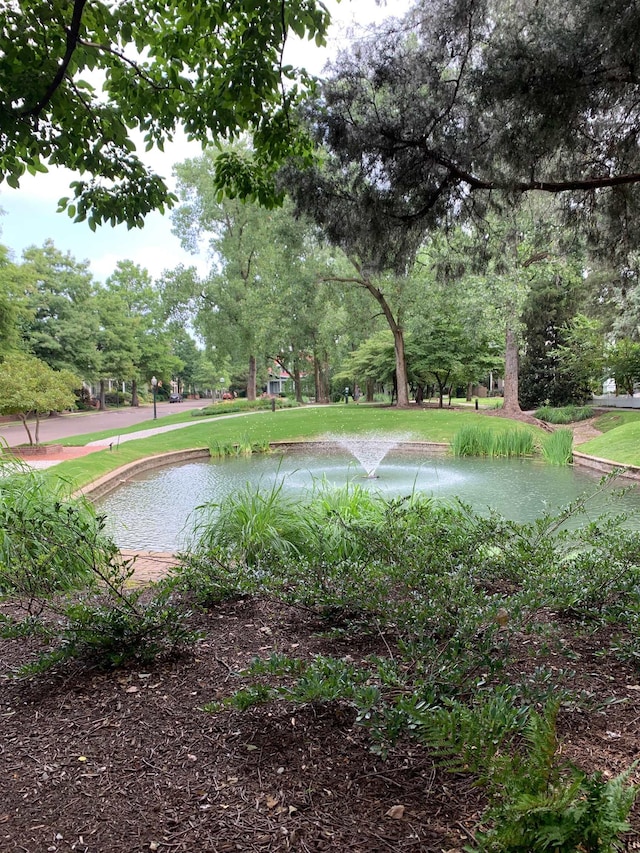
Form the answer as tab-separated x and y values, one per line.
72	41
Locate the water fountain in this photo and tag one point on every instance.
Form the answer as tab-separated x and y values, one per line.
368	450
152	510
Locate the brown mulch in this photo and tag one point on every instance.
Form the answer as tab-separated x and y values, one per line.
139	759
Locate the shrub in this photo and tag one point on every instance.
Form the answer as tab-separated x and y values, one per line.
52	547
48	543
564	414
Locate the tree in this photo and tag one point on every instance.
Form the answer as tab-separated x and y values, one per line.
555	369
78	78
623	362
118	352
30	387
139	315
13	308
62	325
465	98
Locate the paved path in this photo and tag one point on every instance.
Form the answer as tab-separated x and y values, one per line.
58	427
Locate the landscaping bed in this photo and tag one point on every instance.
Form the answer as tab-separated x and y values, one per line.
130	761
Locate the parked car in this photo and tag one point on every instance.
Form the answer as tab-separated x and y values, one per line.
175	398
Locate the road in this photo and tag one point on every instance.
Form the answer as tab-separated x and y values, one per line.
57	427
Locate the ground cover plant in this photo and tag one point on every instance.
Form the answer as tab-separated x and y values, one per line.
369	674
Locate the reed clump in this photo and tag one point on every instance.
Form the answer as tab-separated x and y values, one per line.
475	440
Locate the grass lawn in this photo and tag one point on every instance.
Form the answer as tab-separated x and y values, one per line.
438	425
619	443
614	419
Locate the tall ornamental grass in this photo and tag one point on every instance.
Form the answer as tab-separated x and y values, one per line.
557	447
564	414
476	440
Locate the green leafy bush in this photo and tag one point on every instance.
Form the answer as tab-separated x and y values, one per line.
72	585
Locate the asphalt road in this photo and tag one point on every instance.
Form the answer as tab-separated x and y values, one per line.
56	427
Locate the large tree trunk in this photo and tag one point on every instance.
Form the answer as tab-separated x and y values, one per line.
370	390
402	385
511	405
101	401
320	377
251	379
134	393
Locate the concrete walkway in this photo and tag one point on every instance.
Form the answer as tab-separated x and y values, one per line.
62	454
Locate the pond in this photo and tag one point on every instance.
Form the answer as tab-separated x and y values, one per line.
155	510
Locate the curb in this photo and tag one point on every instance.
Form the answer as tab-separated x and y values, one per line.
107	483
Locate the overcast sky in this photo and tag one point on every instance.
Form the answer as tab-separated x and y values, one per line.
30	215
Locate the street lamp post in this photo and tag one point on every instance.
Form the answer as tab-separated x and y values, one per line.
154	385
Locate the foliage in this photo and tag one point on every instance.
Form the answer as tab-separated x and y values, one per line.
564	414
543	804
30	387
62	324
557	447
243	405
581	356
623	362
155	61
477	440
51	547
563	349
48	544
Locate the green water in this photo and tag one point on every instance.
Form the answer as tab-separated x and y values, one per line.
155	510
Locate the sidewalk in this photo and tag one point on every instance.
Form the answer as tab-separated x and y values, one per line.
62	454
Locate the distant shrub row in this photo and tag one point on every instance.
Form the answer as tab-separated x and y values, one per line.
564	414
243	405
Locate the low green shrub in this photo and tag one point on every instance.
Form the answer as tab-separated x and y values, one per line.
564	414
48	543
70	585
243	405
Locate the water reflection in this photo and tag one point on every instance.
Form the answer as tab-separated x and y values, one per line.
154	510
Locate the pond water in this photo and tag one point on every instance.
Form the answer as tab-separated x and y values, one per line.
155	510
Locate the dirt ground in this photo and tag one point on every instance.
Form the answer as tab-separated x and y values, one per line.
134	760
137	759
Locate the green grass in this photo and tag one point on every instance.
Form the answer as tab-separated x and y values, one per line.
619	444
480	439
612	420
434	425
557	447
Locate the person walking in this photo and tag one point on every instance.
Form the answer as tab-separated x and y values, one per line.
346	394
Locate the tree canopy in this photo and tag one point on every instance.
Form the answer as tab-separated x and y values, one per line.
79	80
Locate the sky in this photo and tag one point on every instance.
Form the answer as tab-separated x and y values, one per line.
29	214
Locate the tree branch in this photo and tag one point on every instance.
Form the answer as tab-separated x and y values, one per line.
72	41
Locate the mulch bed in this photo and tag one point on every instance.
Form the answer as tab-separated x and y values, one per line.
132	760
